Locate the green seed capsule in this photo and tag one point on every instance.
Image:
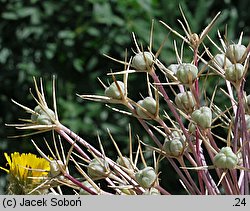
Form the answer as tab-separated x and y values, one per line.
147	103
56	167
235	52
226	159
174	147
185	101
221	60
84	192
234	72
173	68
43	117
247	104
143	60
146	177
203	117
113	92
98	168
152	191
187	73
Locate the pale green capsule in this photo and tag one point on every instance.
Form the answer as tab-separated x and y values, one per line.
203	117
146	177
234	72
143	60
147	103
113	92
225	159
186	73
235	52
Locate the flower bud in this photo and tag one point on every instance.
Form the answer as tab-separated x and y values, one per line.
185	101
143	60
186	73
147	103
235	52
43	117
203	117
234	72
174	147
225	159
221	60
98	168
113	91
146	177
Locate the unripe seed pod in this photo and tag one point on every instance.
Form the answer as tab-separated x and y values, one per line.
125	162
235	52
247	117
56	167
185	101
221	60
247	104
113	91
187	73
191	128
84	192
146	177
173	68
98	168
142	60
203	117
147	103
234	72
225	159
174	147
152	191
43	117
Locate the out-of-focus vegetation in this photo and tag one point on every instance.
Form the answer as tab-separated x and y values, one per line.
68	38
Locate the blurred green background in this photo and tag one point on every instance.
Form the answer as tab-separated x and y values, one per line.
68	38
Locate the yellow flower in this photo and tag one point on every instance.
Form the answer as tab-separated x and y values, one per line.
26	171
